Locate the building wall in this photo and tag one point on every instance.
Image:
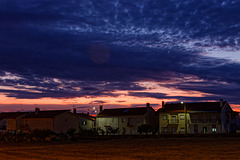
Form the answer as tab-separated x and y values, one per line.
3	124
65	122
11	125
202	122
130	124
151	119
39	123
205	128
15	124
174	123
206	122
86	123
125	124
19	122
229	120
104	122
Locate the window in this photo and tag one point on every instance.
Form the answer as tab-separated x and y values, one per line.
174	119
164	117
195	128
123	120
182	117
84	122
174	130
204	129
182	129
164	129
214	128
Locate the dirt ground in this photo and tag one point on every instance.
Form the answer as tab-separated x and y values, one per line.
123	149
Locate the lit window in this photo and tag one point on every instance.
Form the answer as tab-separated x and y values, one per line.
214	128
204	129
84	122
182	129
164	117
182	117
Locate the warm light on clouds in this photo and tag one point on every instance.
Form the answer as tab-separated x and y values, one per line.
126	55
156	87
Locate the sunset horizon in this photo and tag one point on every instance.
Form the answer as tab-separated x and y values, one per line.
119	79
127	55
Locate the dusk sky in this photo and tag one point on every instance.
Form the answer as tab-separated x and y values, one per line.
56	54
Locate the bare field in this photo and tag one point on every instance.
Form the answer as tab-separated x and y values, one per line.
149	148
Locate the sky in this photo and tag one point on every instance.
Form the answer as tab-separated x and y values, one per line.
56	54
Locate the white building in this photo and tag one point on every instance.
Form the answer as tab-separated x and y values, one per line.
125	120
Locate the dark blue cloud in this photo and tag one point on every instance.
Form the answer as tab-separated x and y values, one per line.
94	48
98	102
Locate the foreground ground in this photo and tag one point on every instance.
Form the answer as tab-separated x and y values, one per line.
148	148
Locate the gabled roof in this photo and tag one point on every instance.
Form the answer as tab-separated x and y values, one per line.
123	111
86	116
198	107
46	114
12	115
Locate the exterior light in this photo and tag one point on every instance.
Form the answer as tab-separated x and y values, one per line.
95	111
181	102
93	107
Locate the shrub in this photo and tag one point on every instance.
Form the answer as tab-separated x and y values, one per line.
144	129
85	132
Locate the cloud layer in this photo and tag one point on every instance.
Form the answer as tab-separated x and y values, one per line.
95	48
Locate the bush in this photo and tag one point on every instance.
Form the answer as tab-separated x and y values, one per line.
85	132
42	134
36	136
102	132
145	129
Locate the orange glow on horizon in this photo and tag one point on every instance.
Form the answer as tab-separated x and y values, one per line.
122	98
235	107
